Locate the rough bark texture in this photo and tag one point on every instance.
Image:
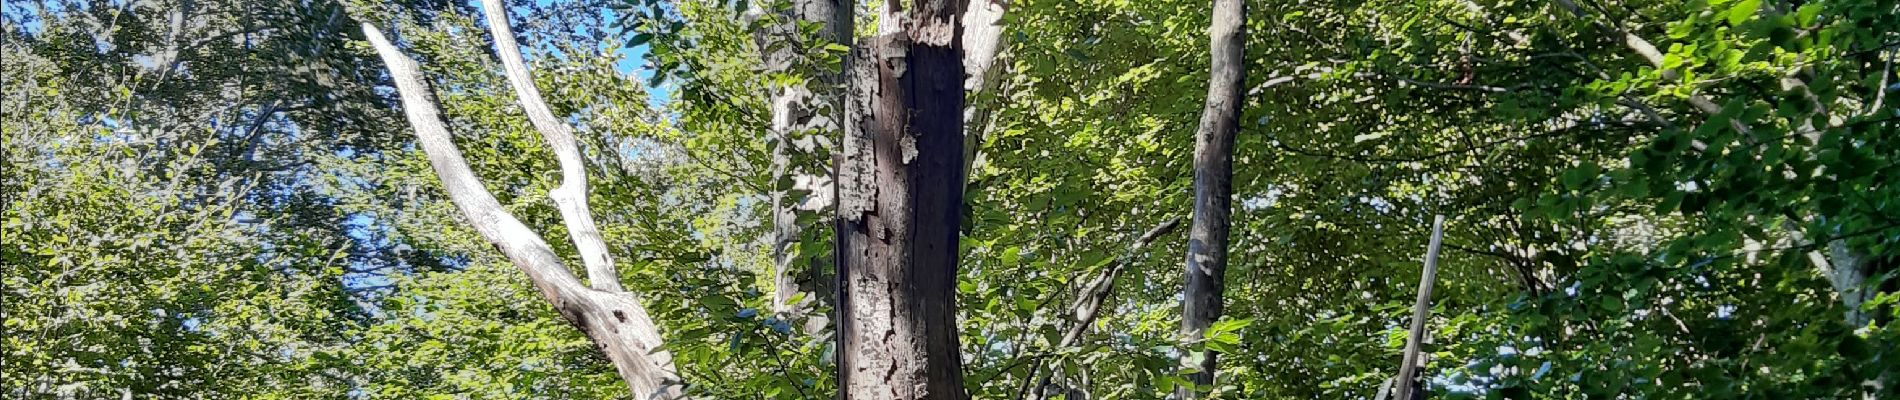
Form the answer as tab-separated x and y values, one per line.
1213	185
614	321
794	110
900	198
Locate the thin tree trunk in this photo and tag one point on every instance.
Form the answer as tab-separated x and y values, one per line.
615	321
982	44
900	196
1213	186
1421	311
794	110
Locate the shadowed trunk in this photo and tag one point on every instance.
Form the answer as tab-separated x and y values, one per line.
1213	188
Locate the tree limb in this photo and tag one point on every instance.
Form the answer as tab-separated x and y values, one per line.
1321	72
1090	300
1648	51
571	196
615	322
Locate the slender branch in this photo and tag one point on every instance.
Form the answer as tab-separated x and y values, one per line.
1090	301
1648	51
1013	363
1321	73
1469	148
571	196
521	244
1880	90
1407	381
1097	292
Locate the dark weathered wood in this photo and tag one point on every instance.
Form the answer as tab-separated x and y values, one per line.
1407	379
1213	184
900	183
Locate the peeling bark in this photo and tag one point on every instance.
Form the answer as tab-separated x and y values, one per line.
900	199
1213	186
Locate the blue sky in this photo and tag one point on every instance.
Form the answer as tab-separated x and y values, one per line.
633	60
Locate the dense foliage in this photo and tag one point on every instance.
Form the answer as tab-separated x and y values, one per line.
1698	199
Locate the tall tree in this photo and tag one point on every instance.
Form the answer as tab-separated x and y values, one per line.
900	198
1202	298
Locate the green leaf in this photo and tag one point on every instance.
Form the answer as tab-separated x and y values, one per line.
1226	326
1671	61
1742	11
1225	343
1576	178
639	39
1805	16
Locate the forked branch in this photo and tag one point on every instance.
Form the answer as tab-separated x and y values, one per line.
571	196
616	322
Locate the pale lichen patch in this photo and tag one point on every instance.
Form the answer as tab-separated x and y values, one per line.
908	144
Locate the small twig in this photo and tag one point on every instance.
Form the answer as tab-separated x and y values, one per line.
1555	132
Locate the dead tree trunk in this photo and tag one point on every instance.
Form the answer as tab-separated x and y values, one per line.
1213	186
900	195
